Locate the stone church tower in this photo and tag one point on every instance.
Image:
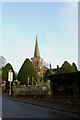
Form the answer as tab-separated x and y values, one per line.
37	60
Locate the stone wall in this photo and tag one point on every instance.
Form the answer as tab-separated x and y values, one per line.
29	91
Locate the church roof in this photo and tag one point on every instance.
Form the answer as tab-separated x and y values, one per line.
36	52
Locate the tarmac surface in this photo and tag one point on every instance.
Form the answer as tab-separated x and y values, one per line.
70	110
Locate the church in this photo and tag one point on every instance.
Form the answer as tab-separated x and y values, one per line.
38	61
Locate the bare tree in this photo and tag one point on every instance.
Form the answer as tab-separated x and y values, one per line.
2	61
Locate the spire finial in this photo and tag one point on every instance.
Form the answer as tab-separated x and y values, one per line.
36	37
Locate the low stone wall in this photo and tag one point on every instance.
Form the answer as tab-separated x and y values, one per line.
29	91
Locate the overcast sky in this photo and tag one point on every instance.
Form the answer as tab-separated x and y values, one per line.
55	24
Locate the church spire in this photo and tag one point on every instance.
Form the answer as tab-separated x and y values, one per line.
36	52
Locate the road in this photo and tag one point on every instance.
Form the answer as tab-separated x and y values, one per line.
14	109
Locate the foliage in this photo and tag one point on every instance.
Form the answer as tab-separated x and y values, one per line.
68	68
15	75
27	71
66	84
0	73
74	66
48	73
6	70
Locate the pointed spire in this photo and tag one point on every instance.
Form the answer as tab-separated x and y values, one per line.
36	52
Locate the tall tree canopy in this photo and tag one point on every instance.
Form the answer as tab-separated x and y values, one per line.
27	71
74	66
67	67
5	71
0	73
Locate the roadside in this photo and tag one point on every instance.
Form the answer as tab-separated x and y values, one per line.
71	110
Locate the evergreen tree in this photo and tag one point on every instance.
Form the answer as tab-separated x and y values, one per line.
74	66
0	73
68	68
48	72
27	71
5	71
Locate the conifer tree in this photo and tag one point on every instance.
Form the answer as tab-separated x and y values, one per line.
26	71
68	68
5	71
